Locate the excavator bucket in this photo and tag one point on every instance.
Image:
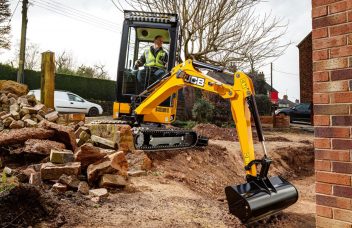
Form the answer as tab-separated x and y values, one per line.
260	197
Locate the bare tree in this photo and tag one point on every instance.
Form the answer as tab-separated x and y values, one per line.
32	56
100	72
5	27
223	32
64	63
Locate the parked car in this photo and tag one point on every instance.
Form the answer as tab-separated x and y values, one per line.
300	112
67	102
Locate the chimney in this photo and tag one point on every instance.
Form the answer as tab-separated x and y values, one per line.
285	97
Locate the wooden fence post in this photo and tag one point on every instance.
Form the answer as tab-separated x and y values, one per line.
48	79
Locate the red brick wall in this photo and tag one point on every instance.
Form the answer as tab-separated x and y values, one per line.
305	69
332	97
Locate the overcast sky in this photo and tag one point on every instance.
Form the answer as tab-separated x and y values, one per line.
93	37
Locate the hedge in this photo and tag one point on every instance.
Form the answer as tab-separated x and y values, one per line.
88	88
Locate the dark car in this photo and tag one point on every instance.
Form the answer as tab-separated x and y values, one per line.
301	112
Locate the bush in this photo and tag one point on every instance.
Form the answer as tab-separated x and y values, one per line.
264	104
203	111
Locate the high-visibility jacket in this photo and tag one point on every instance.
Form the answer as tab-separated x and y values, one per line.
155	61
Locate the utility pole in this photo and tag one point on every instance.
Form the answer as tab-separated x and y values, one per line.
20	73
271	77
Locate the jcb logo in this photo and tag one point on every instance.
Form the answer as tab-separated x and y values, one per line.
194	80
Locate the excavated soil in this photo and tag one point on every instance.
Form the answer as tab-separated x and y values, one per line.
26	205
185	188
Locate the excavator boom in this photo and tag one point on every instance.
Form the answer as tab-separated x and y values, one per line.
261	195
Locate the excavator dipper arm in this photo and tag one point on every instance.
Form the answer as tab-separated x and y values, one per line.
261	195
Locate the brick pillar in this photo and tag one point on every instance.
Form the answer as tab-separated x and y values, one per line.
332	98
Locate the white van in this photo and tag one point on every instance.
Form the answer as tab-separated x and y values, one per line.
68	102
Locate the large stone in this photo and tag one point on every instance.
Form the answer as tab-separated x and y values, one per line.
4	99
138	160
89	154
71	181
28	110
61	156
39	117
5	116
62	134
112	181
22	101
103	143
17	124
8	121
99	192
119	133
111	164
26	117
53	116
15	115
13	87
38	146
40	107
30	123
14	108
83	188
50	171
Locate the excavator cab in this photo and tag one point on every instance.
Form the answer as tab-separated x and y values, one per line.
138	33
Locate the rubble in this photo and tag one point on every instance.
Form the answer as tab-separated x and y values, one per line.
83	138
136	173
50	171
58	187
39	146
18	136
138	160
35	179
71	181
62	134
112	181
89	154
13	87
61	156
103	143
111	164
99	192
83	188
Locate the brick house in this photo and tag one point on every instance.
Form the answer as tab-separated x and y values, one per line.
305	69
332	98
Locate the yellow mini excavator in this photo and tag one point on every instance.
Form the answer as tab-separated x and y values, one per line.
156	104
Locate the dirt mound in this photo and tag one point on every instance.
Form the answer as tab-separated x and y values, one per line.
205	170
208	170
214	132
277	139
25	206
293	161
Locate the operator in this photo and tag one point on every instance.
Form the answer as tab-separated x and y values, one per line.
154	59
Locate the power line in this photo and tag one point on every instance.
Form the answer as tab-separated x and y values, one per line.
13	12
81	13
117	6
286	72
74	17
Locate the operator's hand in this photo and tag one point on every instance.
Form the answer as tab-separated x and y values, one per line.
137	64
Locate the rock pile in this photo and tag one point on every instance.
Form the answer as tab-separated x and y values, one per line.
19	110
73	158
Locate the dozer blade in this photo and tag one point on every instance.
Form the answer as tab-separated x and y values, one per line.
259	198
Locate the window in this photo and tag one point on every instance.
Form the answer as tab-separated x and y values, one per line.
73	97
